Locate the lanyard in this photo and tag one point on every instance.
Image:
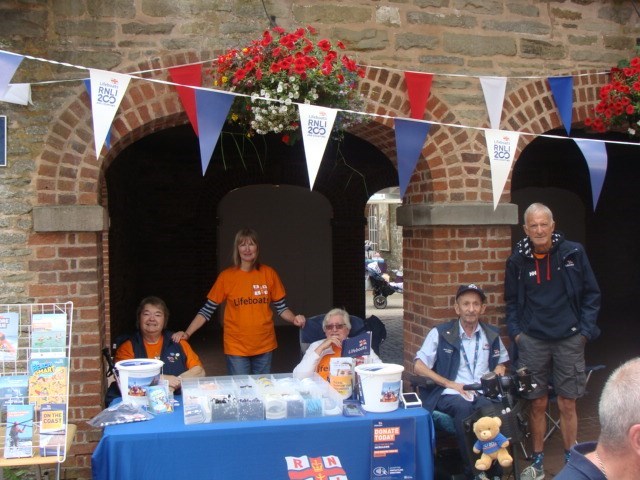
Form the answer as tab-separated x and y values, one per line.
475	355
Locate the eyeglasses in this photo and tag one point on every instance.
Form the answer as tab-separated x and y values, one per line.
335	326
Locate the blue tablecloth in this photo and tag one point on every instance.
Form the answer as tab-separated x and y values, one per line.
165	448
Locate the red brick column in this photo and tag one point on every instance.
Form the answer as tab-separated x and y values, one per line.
449	246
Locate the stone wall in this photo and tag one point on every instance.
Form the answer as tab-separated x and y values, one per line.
51	162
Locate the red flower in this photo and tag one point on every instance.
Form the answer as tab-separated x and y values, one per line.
299	65
348	63
630	110
340	78
326	68
312	30
341	45
239	75
275	67
324	45
266	38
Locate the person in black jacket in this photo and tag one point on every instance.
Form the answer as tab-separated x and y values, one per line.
553	300
152	340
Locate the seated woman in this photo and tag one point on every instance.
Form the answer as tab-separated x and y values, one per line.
153	341
336	326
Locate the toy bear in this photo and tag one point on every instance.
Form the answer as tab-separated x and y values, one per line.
491	443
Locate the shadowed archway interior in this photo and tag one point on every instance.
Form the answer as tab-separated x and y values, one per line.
165	222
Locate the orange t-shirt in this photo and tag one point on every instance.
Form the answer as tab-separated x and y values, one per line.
323	367
125	352
248	318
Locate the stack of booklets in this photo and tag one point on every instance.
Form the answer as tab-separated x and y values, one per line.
19	433
53	429
48	380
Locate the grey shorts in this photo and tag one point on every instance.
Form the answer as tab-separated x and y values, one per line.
561	361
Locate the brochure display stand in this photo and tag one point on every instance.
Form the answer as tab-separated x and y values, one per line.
35	347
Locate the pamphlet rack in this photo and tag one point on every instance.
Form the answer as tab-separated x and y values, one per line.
35	356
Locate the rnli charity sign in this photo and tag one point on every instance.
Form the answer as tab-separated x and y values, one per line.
107	91
501	147
316	124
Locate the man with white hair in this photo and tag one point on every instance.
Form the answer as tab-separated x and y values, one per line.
553	300
617	453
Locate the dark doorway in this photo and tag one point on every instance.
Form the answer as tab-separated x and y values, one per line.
165	224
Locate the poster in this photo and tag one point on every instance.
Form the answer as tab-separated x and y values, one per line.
393	455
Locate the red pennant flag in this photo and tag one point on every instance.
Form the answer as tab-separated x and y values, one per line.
188	75
418	88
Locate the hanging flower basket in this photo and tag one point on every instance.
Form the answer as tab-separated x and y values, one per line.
282	69
619	105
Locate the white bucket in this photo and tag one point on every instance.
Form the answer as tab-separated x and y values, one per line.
136	376
380	386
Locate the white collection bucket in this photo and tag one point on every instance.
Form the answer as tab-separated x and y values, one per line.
136	376
380	386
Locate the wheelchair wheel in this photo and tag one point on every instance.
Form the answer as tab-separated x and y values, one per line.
380	301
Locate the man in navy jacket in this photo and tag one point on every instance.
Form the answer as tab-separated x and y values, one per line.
458	353
553	301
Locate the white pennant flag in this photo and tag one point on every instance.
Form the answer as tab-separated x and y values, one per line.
316	124
501	147
107	91
494	89
18	93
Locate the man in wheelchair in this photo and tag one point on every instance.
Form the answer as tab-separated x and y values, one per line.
459	353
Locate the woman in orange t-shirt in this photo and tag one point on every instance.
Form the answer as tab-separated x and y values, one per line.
248	288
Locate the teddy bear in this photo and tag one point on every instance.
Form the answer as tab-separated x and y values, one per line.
491	443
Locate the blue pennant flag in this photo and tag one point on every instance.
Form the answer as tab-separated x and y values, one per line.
562	91
212	109
410	138
595	153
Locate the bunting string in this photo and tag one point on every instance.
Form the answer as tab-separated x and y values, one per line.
210	107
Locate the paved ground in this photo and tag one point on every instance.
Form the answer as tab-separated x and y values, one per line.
208	345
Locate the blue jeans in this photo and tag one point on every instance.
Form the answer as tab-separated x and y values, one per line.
254	365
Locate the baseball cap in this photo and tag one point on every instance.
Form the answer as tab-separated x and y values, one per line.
472	287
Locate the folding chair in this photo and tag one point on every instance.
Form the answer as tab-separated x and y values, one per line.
553	424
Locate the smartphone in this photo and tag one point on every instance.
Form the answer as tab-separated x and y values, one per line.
352	410
411	399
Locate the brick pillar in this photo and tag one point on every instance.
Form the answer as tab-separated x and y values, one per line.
445	246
